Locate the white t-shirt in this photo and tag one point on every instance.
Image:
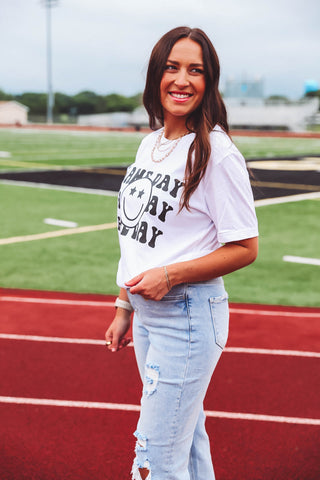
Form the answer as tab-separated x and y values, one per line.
151	231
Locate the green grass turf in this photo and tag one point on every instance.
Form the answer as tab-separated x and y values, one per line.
88	262
78	263
285	229
45	150
31	149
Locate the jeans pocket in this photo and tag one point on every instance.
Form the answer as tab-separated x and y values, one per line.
220	319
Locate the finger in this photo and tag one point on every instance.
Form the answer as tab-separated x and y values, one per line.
124	342
108	338
134	280
112	343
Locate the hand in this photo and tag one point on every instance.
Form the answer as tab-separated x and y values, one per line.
151	285
117	330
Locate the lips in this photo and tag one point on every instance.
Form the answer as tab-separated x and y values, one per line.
180	97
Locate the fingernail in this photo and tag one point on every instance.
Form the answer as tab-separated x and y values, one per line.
113	349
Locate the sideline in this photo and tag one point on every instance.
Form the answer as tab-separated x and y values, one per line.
136	408
47	186
90	341
109	193
287	199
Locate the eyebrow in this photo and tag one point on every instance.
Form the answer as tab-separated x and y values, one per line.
191	64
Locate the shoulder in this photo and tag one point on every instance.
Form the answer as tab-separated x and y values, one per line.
223	148
226	161
221	144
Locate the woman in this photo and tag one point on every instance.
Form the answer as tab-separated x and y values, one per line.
185	218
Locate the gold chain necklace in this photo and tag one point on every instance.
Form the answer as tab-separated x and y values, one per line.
157	146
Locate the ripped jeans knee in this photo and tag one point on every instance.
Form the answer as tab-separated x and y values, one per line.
136	471
151	379
141	461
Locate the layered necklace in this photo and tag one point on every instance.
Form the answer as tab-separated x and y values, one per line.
164	147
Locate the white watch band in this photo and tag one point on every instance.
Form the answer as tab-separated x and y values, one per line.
123	304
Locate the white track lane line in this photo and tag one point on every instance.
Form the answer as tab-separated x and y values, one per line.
136	408
89	341
274	313
57	301
92	303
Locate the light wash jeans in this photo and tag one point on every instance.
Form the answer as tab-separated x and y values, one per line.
178	342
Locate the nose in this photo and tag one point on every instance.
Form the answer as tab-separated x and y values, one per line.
182	79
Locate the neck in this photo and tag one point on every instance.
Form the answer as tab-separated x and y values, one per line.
175	129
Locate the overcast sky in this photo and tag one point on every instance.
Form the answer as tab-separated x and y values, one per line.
104	45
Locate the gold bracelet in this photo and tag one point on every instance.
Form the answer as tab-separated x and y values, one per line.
167	278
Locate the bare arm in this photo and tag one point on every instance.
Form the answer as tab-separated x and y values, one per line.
152	284
119	327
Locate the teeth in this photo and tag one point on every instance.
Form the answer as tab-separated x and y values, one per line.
181	95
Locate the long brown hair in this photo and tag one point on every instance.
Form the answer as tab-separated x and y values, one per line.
210	112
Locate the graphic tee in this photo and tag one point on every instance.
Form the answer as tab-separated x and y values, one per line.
152	231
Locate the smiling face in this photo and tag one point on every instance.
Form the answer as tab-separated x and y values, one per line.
135	198
183	83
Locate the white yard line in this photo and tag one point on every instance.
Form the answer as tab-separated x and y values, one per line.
60	223
303	260
136	408
89	341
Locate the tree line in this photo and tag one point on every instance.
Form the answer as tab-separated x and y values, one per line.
88	102
82	103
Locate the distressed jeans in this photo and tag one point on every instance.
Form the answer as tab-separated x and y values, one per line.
178	342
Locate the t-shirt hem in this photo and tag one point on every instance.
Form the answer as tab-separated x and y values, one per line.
225	237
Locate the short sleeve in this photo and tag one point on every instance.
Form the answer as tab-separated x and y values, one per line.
229	198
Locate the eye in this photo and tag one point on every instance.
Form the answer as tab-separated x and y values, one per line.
199	71
170	67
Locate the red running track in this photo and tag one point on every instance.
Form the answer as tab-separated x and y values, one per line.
269	371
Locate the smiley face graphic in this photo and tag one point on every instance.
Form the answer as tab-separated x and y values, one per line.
134	200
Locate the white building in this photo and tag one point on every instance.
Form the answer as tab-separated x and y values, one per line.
264	115
114	119
13	113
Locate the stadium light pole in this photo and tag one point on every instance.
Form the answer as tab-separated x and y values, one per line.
48	4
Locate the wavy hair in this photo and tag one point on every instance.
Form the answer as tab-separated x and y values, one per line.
209	113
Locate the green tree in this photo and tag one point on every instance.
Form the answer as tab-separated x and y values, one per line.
278	99
85	102
63	103
5	96
120	103
88	102
37	102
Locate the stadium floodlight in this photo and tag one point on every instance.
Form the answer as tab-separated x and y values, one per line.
48	4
